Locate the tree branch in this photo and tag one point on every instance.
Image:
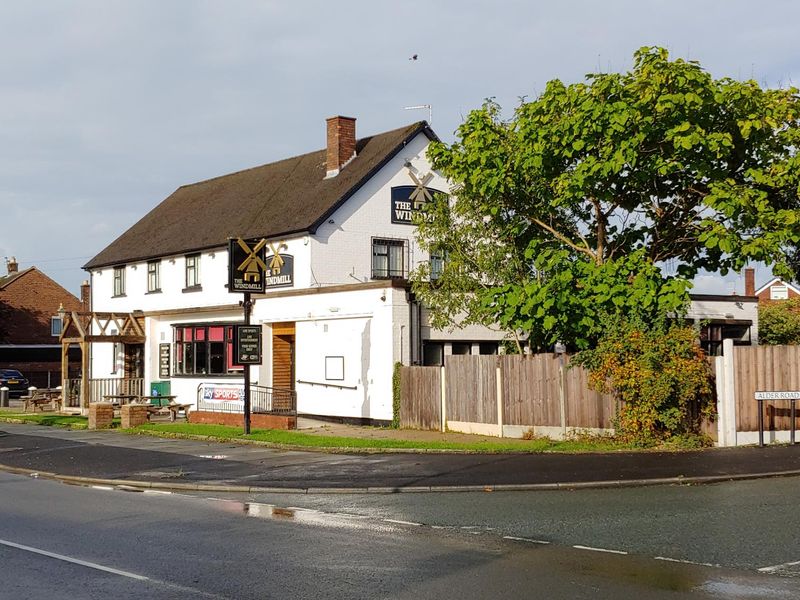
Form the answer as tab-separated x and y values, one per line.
565	239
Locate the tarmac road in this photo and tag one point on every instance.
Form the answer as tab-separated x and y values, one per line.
112	455
59	542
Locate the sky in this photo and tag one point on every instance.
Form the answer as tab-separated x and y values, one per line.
107	106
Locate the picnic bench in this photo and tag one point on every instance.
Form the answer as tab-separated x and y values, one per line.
41	398
162	405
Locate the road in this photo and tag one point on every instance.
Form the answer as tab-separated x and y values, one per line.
59	541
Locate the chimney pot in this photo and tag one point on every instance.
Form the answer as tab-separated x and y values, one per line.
749	281
12	265
341	149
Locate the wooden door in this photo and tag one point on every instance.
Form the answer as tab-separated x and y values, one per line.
283	337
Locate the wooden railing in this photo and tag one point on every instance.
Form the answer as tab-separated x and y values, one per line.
98	388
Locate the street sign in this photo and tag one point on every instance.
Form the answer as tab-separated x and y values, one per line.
789	395
246	266
248	345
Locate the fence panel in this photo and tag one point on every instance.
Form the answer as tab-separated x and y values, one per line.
764	368
585	407
471	388
530	390
421	397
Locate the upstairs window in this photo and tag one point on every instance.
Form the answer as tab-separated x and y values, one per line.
55	326
437	264
779	292
119	281
154	276
192	271
388	259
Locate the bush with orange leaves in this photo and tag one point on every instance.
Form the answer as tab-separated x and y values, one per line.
658	373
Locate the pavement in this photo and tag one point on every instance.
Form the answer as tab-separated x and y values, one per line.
113	458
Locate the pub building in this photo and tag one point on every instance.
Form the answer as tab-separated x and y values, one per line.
336	312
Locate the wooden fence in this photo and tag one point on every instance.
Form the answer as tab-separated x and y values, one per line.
508	395
503	395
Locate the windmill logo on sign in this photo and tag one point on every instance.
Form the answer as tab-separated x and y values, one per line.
250	265
421	194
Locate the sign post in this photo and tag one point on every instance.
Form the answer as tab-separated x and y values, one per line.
246	273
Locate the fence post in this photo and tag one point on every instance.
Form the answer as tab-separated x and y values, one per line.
443	400
499	379
727	397
561	395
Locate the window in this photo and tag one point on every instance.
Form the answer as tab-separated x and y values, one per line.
192	271
116	351
119	281
437	264
55	326
388	259
779	292
154	276
205	350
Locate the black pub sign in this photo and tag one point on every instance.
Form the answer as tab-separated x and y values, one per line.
246	265
280	271
248	345
408	200
163	361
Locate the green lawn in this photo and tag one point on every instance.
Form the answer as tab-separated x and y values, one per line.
307	440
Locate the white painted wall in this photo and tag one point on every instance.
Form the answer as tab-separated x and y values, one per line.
701	309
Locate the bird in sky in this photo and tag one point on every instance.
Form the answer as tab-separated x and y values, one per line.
413	57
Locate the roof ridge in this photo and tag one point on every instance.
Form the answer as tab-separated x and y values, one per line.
297	156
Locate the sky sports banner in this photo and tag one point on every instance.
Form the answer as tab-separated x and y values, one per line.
214	393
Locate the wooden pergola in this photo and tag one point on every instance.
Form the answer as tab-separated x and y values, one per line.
83	328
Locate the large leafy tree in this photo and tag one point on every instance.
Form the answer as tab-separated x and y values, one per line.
573	208
779	322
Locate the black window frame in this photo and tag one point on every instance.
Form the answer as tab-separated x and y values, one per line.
195	267
389	272
118	282
182	350
154	269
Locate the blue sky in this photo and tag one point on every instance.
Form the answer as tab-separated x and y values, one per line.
107	106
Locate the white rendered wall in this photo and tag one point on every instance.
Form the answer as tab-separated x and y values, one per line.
342	252
726	309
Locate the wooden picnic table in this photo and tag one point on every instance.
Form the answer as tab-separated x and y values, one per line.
164	404
40	398
118	399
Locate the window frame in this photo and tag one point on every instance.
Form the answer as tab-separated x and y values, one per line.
779	292
154	276
192	284
183	349
53	321
118	282
388	272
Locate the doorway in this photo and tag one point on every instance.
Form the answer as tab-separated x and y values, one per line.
283	356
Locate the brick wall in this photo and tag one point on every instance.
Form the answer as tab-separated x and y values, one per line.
765	296
237	420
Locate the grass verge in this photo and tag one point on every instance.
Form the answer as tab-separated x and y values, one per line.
298	439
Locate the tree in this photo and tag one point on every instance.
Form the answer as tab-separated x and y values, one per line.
779	322
572	208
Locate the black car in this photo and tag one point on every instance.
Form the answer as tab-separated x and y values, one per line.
15	382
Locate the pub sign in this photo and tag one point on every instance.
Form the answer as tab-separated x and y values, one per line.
408	200
248	345
246	265
163	361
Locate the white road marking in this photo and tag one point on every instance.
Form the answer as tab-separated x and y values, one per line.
106	488
600	549
399	522
684	561
75	561
522	539
772	568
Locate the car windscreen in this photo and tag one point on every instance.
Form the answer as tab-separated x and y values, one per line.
10	373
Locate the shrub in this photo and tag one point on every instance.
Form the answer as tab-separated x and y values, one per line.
658	373
779	322
396	395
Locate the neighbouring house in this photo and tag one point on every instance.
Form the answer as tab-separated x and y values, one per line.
30	324
723	317
774	290
338	311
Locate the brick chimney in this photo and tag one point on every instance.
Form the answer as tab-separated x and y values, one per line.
12	265
749	281
341	143
86	297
